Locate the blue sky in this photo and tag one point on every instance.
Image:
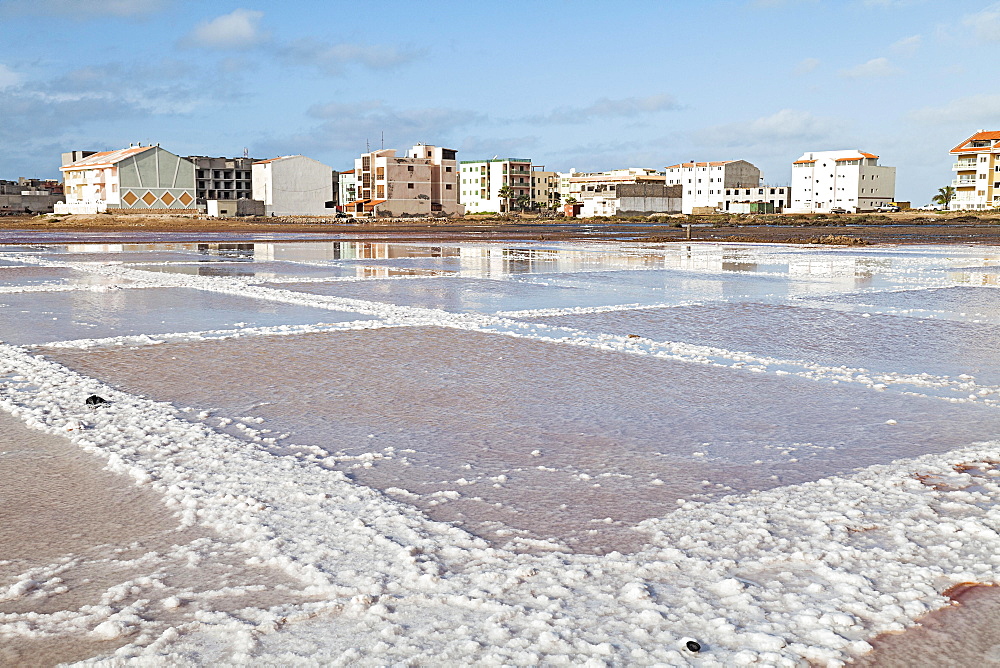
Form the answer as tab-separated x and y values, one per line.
586	84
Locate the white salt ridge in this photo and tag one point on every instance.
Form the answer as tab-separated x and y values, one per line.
217	334
915	384
839	560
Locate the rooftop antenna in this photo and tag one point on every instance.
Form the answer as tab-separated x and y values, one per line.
246	152
383	140
368	147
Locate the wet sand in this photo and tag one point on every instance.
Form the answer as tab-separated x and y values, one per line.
903	228
71	533
964	634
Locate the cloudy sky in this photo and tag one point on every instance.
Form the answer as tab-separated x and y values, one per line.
568	83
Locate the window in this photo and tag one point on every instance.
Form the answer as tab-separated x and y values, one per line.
410	186
447	186
447	169
409	168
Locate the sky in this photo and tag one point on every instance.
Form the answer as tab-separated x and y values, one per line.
590	85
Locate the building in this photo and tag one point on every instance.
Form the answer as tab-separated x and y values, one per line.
633	191
424	183
544	188
704	183
977	172
30	196
482	181
849	180
293	185
347	188
774	199
222	178
146	179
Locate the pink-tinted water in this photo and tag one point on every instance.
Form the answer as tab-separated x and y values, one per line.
512	437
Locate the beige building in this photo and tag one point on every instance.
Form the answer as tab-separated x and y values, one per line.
137	178
544	188
424	183
977	172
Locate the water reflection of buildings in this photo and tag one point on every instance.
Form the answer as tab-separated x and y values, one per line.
808	272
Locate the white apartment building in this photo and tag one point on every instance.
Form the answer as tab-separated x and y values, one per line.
775	198
850	180
704	183
137	178
347	188
424	183
482	180
293	185
977	172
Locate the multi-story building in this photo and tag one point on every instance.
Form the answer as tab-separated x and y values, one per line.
293	185
347	188
849	180
544	188
138	178
30	195
482	181
631	191
424	183
704	183
977	172
222	178
774	198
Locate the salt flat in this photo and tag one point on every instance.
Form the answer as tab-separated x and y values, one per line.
506	453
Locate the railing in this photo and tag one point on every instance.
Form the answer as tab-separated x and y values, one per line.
964	183
964	165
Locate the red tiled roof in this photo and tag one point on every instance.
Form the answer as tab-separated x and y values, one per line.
280	157
701	164
980	136
106	158
803	162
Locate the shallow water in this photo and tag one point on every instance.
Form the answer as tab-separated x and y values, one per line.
621	382
44	317
500	434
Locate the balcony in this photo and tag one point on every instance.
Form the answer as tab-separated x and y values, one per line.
964	183
964	164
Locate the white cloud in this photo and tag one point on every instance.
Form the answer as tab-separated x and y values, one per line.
474	148
608	108
332	58
806	66
985	23
976	111
907	46
240	29
8	77
876	67
83	8
346	126
782	127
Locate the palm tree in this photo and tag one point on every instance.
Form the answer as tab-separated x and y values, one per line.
944	196
506	194
523	201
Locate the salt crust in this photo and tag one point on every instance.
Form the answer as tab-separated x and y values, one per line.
809	571
804	572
